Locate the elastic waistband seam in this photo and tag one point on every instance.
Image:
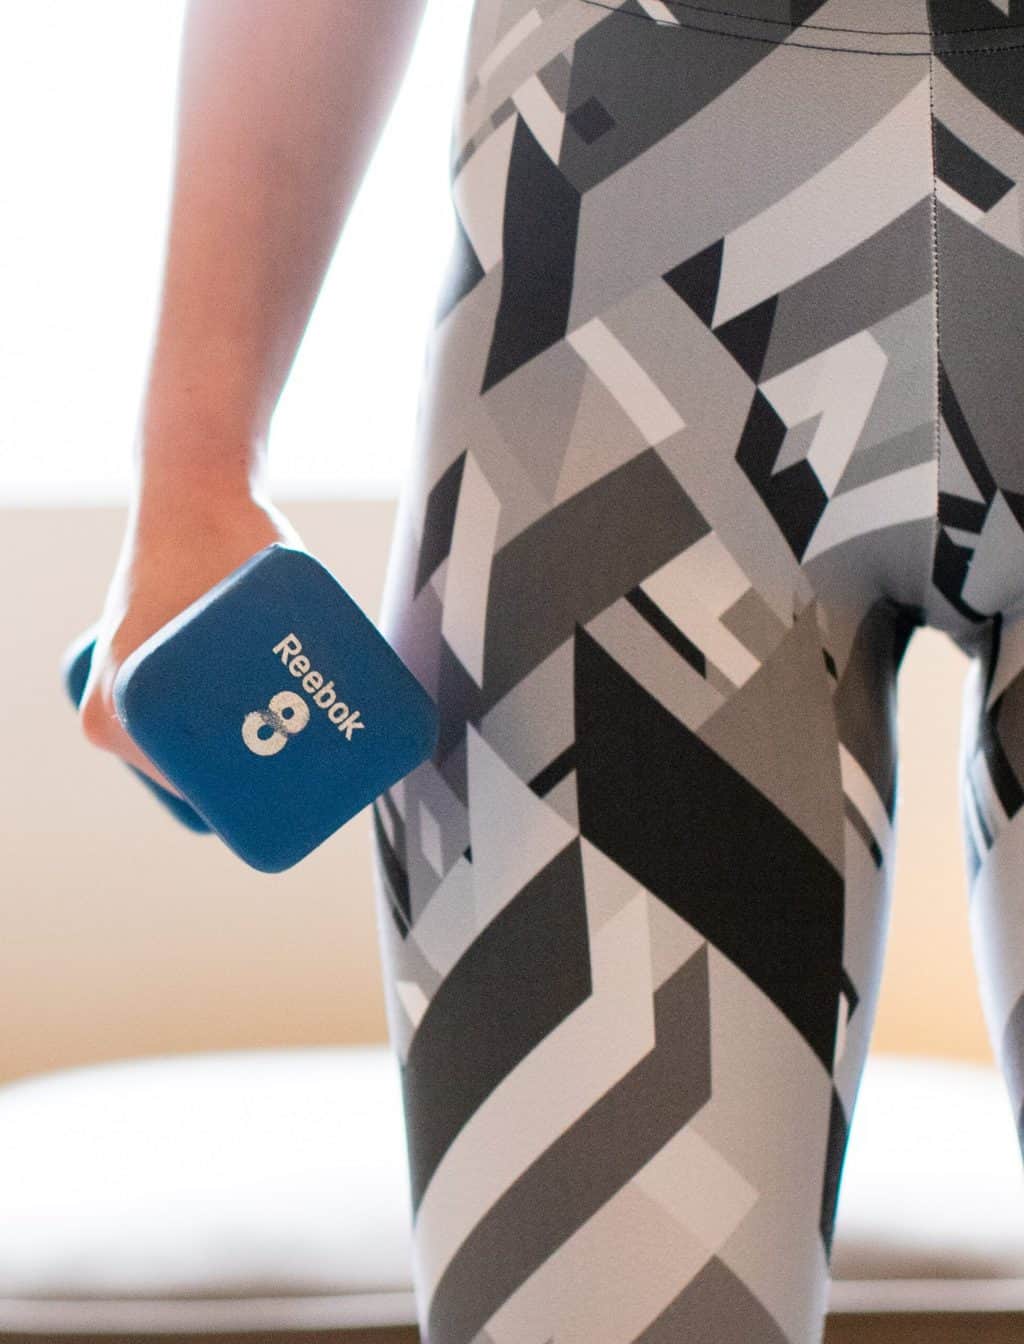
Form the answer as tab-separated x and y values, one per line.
611	8
840	28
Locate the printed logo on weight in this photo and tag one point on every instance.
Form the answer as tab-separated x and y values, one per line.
267	731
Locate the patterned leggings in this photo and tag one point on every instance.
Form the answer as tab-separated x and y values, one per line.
724	398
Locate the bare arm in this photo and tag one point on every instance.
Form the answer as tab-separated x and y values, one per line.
280	107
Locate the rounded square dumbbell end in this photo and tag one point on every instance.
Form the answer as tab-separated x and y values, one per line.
277	707
75	666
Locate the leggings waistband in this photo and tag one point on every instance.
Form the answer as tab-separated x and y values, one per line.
883	27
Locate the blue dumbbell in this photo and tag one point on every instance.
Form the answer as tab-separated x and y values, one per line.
274	704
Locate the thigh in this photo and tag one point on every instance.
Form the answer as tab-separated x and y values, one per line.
632	916
992	797
632	909
978	579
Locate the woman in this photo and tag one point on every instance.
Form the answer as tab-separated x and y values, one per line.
722	402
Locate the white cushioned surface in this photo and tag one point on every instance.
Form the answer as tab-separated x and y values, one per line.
260	1174
270	1187
933	1184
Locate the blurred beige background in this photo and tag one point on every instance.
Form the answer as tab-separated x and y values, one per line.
125	935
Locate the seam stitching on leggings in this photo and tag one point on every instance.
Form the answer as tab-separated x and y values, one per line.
838	27
809	46
935	283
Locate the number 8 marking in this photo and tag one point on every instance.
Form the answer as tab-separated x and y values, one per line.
266	731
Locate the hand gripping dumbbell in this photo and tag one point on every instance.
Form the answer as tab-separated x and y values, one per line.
273	703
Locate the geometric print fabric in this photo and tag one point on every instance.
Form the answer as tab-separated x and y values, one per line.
722	401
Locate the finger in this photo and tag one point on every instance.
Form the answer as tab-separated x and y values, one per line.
126	747
106	731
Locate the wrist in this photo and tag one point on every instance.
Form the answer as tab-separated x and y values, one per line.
199	465
192	524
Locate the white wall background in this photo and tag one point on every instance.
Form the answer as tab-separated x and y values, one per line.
121	932
118	934
87	89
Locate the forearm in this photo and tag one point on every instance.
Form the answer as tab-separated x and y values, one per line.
280	106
